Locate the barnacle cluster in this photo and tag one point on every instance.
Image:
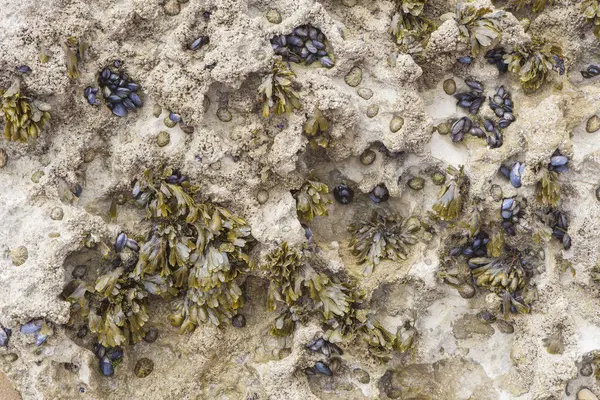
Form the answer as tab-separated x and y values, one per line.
409	27
24	118
534	61
480	26
196	250
277	90
382	237
311	200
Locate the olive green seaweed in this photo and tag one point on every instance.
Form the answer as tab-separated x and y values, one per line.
591	10
341	308
311	200
276	90
533	62
547	189
536	5
315	129
24	118
410	28
450	201
382	237
480	26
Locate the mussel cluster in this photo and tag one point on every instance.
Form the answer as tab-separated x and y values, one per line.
123	241
496	56
472	100
39	328
5	334
118	90
513	173
559	229
502	106
108	358
305	44
510	210
328	349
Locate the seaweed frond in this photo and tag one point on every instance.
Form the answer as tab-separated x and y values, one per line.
547	189
591	11
24	118
277	90
449	204
536	5
411	29
533	63
315	129
74	49
480	26
311	200
382	237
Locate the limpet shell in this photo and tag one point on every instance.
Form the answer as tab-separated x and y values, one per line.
224	115
365	93
368	157
169	123
56	213
172	7
354	77
89	156
156	110
187	128
3	158
372	110
496	192
362	376
238	321
163	139
151	335
37	175
443	128
143	367
449	86
10	357
593	124
396	124
273	16
349	3
438	178
19	256
504	326
416	183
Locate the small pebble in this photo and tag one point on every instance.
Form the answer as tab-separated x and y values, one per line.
163	139
449	86
172	7
496	192
143	367
586	394
151	335
396	124
372	110
504	326
262	196
365	93
368	157
82	332
593	124
416	183
466	291
79	271
19	256
353	77
273	16
238	321
349	3
56	213
224	115
3	158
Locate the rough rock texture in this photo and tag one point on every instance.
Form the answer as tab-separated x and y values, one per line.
455	356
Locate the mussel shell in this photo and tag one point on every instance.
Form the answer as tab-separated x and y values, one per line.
120	242
558	161
315	345
507	204
119	110
32	326
106	366
3	338
343	194
515	175
114	353
323	368
132	244
465	60
379	194
136	99
325	61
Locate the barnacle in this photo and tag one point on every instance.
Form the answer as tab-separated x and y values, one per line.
591	11
315	129
479	25
382	237
450	199
276	90
74	50
409	27
24	118
534	61
197	251
311	200
536	5
547	189
115	306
